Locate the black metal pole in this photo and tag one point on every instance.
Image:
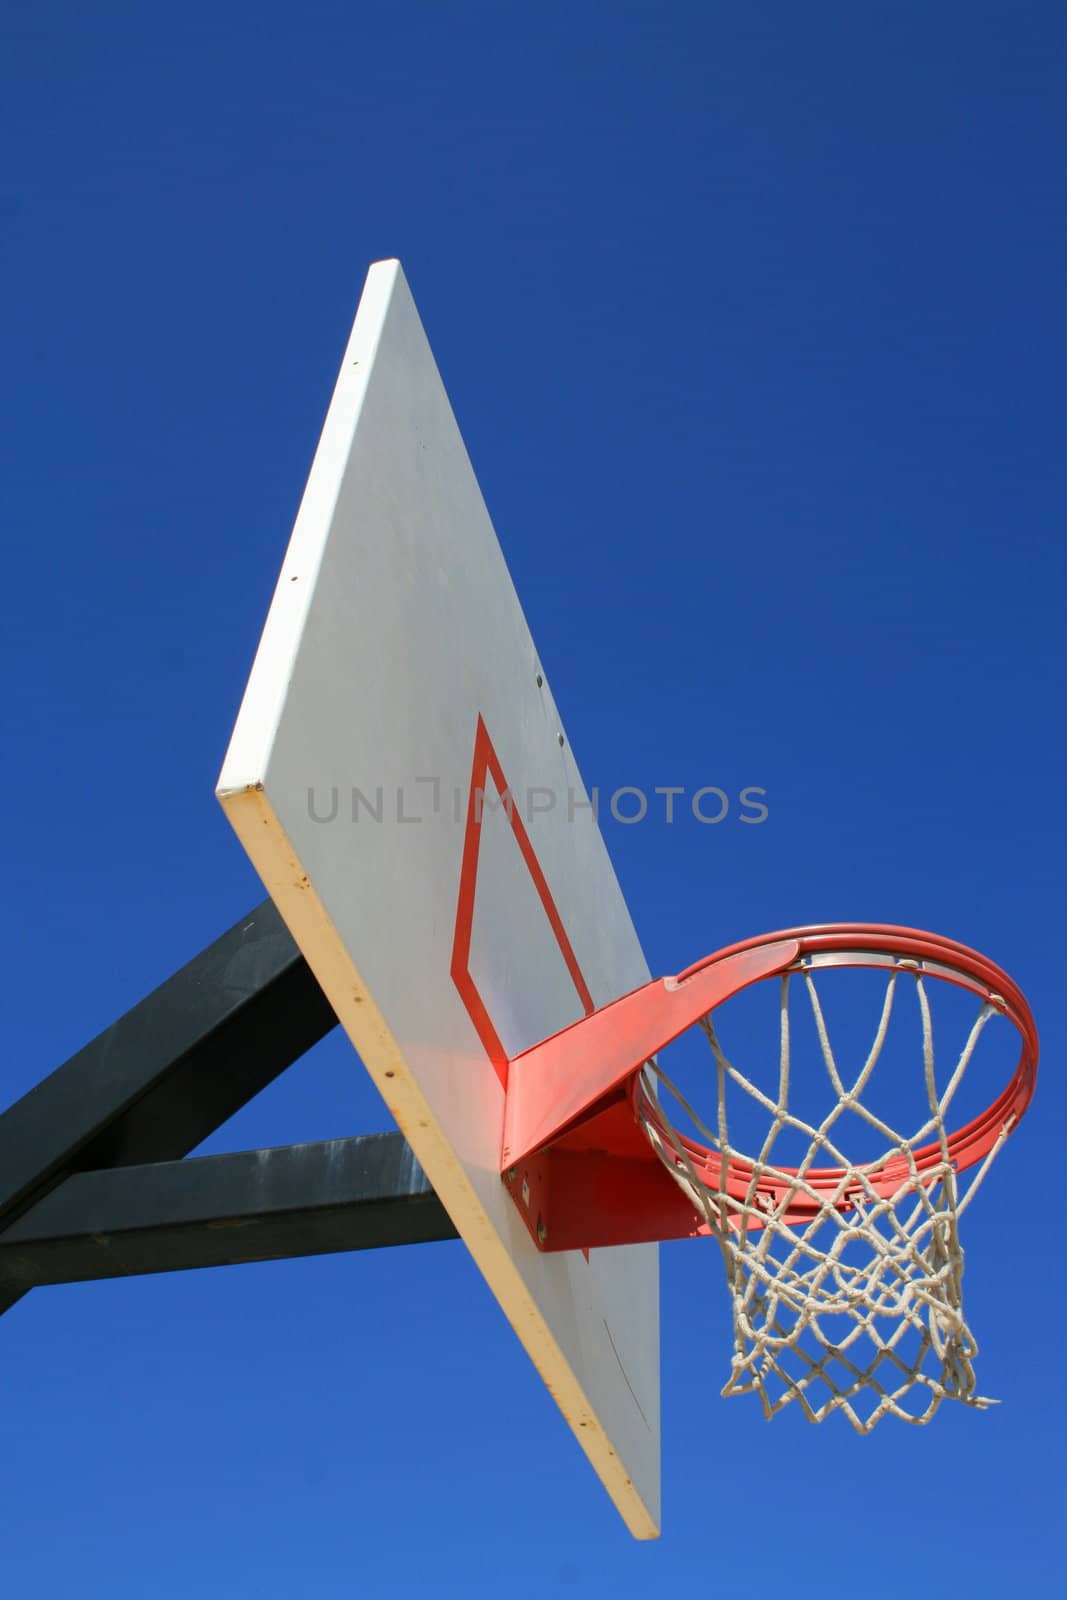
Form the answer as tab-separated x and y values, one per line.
210	1211
165	1075
92	1184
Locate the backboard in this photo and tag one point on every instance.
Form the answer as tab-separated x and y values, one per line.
403	783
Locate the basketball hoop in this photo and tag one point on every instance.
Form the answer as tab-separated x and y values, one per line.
845	1277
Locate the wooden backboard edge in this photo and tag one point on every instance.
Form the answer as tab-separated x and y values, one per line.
272	854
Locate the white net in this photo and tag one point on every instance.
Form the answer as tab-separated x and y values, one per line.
847	1291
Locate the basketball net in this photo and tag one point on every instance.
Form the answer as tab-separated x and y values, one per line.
847	1298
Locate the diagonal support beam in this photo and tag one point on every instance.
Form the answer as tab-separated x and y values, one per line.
169	1072
209	1211
165	1075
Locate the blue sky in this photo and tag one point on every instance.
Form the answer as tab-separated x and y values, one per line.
753	321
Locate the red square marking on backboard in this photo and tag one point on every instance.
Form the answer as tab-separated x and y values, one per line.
487	767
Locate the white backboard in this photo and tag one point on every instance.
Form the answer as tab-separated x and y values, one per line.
395	674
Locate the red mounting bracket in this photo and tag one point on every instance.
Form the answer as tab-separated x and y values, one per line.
575	1159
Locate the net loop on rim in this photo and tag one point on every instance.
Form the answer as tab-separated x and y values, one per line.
846	1277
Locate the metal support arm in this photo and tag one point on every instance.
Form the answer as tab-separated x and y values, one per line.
212	1211
92	1183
